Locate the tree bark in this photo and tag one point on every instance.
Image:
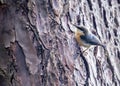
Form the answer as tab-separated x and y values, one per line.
38	48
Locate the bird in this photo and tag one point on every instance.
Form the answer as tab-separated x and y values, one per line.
85	38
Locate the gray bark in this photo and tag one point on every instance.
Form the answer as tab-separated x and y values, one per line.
38	48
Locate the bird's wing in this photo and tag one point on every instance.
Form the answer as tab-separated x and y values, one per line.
90	39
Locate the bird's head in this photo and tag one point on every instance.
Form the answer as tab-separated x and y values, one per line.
81	28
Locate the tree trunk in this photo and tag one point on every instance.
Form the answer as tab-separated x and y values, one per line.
38	48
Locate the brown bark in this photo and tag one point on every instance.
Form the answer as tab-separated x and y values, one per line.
37	45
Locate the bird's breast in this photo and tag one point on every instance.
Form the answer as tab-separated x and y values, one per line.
81	41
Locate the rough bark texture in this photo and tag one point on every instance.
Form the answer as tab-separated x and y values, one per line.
37	45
